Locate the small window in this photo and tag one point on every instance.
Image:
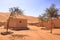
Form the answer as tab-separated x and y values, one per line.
20	21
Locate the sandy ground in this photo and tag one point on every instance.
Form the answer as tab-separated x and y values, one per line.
34	33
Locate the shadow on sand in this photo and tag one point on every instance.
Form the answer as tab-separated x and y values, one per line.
56	34
44	28
57	28
6	33
19	29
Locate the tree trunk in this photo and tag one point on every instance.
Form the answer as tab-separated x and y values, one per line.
7	25
8	22
42	23
51	25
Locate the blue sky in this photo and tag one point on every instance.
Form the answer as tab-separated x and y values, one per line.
30	7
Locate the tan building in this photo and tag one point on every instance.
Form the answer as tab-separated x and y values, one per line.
17	23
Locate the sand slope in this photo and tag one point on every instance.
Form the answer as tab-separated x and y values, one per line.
4	16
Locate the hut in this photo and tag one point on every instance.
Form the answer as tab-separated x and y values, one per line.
17	23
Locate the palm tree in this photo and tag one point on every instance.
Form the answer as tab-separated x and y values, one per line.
52	12
17	11
12	11
10	17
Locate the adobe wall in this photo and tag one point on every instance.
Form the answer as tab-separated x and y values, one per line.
17	23
48	24
55	23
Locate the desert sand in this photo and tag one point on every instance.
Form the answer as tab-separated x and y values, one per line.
34	33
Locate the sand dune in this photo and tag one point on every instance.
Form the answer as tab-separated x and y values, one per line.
4	16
